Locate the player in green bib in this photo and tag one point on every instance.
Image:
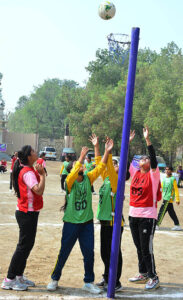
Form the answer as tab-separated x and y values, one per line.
63	171
78	220
170	192
105	214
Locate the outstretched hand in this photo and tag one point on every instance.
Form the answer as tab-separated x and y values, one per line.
84	151
109	145
132	135
146	132
94	139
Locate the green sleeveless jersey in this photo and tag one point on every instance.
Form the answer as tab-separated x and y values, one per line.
168	189
105	202
65	163
79	202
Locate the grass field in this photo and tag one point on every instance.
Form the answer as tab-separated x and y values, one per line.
168	249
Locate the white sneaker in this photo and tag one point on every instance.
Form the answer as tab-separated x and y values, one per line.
91	288
52	285
157	227
152	284
139	278
26	281
13	284
94	193
176	228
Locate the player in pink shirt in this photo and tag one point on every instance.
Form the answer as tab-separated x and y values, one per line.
29	186
144	194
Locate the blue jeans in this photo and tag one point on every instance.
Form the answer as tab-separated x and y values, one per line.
85	235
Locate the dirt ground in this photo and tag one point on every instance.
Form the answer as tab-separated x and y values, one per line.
168	247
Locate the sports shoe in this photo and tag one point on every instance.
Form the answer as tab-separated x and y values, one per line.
91	288
139	278
152	284
13	284
94	193
26	281
52	285
101	283
118	287
157	227
176	228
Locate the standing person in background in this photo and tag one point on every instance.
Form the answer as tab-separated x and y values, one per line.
144	194
13	159
29	186
42	161
170	192
78	220
180	172
3	166
63	171
89	166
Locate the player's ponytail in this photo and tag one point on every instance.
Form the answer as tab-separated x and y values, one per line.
21	160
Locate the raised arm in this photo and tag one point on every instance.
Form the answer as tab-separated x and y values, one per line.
95	142
150	148
94	174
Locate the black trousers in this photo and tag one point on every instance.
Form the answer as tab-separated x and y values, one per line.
27	223
167	207
63	178
142	230
105	249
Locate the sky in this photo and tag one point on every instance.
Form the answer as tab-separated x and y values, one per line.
41	39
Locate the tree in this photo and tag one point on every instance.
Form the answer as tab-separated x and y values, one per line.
167	78
21	102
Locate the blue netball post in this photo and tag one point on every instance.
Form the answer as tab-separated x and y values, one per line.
123	161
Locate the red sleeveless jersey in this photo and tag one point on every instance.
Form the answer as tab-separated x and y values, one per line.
23	200
141	193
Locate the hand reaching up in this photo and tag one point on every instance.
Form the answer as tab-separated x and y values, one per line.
132	135
83	153
94	140
146	135
109	145
146	132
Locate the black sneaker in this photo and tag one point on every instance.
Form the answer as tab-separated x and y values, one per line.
118	287
101	283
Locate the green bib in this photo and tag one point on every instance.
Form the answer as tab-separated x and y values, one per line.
105	201
65	163
167	188
79	202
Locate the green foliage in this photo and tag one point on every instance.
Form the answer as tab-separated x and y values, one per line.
99	106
